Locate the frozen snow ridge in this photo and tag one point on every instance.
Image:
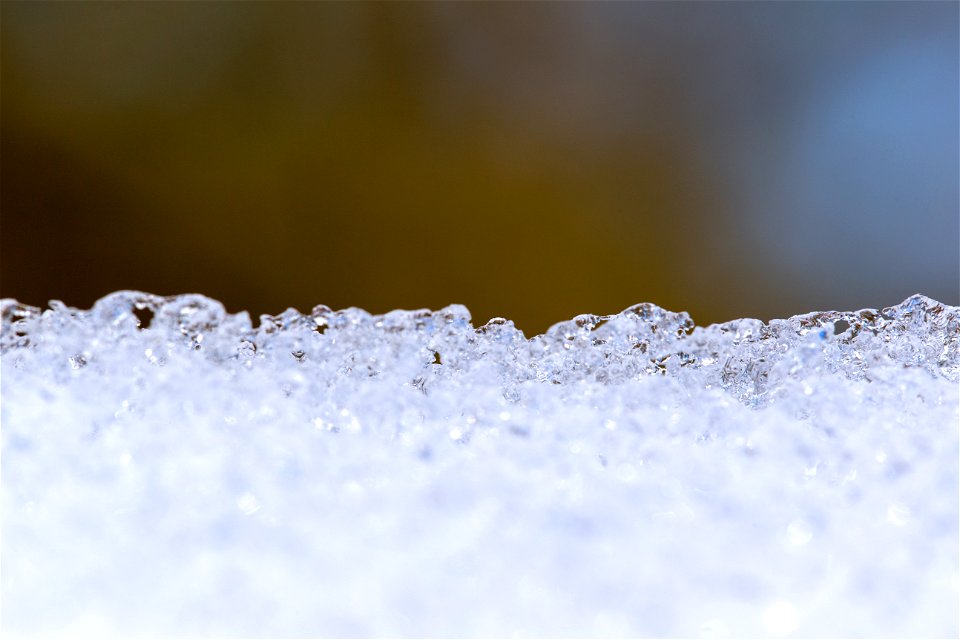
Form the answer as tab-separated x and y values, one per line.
169	468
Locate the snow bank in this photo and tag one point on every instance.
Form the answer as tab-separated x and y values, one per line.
170	470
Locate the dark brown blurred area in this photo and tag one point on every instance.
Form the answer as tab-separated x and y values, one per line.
529	160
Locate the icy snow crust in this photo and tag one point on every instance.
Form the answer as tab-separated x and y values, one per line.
169	469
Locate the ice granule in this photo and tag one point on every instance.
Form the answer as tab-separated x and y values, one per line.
169	469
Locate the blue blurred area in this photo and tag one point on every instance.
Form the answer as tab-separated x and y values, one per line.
528	160
862	199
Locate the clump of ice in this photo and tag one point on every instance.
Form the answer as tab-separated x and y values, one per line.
169	469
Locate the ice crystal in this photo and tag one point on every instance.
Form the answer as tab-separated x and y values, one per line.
171	468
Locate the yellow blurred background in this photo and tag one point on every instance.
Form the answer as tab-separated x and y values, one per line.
529	160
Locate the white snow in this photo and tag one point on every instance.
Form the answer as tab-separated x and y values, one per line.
169	470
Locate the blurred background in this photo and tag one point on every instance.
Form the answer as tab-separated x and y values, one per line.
529	160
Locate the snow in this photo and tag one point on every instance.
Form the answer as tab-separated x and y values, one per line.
168	469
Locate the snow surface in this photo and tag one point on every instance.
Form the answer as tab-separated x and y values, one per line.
170	470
